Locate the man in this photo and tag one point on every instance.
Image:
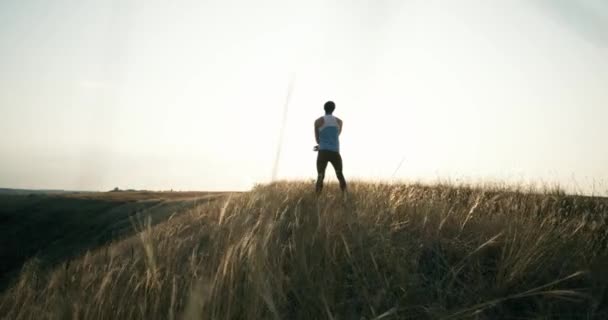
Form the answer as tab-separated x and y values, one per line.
327	131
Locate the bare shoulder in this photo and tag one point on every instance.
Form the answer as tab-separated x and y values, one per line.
319	122
339	120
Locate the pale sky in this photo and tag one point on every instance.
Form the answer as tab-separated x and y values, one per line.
189	95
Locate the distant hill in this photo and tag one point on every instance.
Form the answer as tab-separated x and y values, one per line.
32	191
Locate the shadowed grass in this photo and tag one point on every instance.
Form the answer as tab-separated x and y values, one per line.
54	228
390	251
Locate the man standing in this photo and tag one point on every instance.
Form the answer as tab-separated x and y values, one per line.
327	132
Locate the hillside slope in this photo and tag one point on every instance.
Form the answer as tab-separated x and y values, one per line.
56	227
388	252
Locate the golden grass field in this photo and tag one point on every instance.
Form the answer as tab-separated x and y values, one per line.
390	251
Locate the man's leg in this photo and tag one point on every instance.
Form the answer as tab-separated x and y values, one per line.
336	162
321	166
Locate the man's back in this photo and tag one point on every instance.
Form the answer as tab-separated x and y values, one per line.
328	129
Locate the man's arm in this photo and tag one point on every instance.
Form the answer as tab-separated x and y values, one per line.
340	124
317	125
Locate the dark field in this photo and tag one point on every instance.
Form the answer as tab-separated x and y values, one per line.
57	226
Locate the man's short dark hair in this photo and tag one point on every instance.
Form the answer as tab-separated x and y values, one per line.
329	107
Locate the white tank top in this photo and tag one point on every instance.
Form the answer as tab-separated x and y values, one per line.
328	134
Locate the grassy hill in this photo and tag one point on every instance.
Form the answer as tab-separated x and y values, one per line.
388	252
58	226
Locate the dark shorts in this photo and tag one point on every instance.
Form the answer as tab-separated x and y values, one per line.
326	156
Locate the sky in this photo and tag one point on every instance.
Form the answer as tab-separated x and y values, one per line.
191	95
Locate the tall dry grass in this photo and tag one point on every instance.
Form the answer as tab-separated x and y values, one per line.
389	252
